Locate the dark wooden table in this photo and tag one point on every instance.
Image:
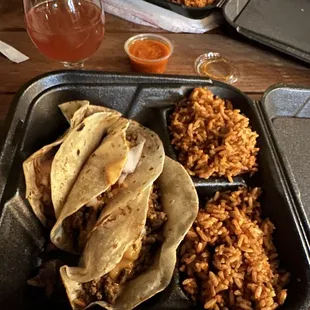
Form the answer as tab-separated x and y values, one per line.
258	67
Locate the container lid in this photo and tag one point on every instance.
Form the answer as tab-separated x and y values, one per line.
288	111
280	24
216	67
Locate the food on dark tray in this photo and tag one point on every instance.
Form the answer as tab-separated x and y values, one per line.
125	208
228	259
212	138
194	3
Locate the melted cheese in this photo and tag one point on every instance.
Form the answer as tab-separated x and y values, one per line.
113	169
128	259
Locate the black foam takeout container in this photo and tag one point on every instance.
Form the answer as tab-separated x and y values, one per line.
279	24
35	120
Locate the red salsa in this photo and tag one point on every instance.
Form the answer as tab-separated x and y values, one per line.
149	55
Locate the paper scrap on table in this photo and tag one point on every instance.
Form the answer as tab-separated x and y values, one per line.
148	14
12	53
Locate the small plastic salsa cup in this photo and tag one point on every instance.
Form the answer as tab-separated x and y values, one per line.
148	53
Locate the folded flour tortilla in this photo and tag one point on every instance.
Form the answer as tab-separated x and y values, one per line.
121	229
135	167
102	171
51	171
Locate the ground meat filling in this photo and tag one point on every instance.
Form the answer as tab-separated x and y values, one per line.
132	139
79	224
103	288
153	238
107	289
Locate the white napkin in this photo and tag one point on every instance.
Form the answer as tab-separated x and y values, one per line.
144	13
12	53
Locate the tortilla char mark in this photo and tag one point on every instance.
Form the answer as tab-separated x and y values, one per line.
135	260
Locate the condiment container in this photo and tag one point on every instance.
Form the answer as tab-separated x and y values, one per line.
148	53
216	67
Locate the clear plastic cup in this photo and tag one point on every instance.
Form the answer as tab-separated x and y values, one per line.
216	67
148	53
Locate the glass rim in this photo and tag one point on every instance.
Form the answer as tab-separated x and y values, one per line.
27	5
156	37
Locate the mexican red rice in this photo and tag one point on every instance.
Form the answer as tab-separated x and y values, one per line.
194	3
212	138
228	259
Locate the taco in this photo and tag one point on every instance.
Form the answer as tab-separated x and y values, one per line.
116	173
131	254
51	171
73	153
37	172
